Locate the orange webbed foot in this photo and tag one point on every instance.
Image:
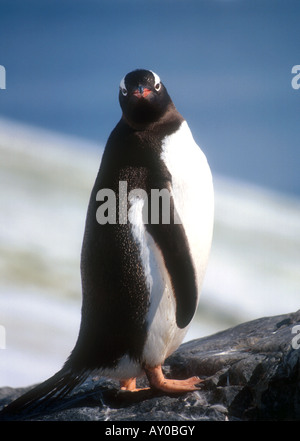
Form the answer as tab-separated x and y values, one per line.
159	382
130	385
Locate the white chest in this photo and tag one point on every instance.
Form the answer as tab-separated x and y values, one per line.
192	191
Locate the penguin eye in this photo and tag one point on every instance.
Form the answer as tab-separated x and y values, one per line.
123	90
157	86
123	87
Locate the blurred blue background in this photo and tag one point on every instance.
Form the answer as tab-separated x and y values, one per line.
227	66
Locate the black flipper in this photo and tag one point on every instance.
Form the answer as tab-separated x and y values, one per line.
173	244
39	398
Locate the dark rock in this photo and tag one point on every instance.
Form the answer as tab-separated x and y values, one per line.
250	372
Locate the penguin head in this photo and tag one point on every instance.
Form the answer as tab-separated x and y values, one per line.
143	97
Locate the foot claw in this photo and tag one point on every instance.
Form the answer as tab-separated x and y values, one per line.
159	382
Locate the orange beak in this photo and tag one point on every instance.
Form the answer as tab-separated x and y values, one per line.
141	92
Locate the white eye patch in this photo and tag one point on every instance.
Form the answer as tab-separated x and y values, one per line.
156	80
123	87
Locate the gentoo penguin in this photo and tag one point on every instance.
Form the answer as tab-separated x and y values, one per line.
145	249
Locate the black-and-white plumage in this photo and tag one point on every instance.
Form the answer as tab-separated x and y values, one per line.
141	275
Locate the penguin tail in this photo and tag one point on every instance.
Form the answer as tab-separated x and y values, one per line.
42	396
